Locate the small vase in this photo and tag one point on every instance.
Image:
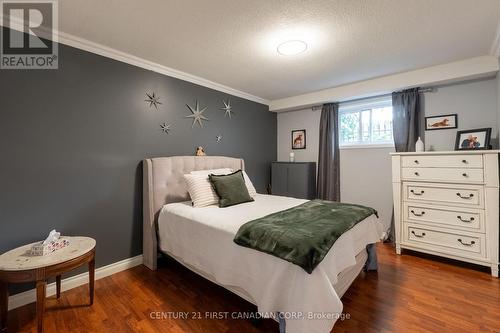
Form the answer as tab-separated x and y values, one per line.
419	146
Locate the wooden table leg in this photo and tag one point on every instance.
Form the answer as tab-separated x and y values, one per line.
4	305
41	288
58	286
91	279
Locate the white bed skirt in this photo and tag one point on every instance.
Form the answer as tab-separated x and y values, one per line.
344	279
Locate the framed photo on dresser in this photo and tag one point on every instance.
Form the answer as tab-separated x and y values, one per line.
476	139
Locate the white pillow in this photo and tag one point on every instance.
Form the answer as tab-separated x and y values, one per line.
200	190
223	171
250	187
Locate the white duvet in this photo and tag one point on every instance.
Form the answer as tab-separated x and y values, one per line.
203	238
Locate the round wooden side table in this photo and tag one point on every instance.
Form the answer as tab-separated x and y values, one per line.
19	265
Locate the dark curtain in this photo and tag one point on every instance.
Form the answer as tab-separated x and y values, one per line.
405	119
328	160
405	125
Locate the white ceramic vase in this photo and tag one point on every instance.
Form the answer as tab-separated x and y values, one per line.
419	146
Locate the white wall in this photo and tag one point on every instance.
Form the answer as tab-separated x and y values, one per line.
474	102
365	173
498	103
297	120
365	178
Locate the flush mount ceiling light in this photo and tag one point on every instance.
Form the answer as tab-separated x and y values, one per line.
292	47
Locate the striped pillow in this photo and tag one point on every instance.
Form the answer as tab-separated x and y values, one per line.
226	171
201	191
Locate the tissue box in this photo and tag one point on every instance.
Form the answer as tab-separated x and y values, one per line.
39	249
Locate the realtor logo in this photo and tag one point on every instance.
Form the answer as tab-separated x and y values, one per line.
29	40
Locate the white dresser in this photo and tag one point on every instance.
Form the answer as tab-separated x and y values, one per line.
447	204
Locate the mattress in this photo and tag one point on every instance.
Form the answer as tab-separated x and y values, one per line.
202	238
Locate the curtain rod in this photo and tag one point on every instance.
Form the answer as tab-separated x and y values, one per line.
420	91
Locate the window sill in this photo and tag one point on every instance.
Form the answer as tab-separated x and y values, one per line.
366	146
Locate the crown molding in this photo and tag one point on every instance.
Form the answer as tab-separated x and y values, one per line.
495	47
108	52
127	58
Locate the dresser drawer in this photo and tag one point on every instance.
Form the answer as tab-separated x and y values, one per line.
458	195
443	161
448	175
457	218
447	204
451	242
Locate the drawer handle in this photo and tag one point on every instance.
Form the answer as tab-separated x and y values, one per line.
417	174
466	244
416	214
465	162
419	236
467	221
465	197
465	175
416	161
421	192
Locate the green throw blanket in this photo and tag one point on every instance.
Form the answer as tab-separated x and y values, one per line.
302	235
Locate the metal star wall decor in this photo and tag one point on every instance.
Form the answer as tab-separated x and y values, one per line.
197	114
165	128
153	100
227	108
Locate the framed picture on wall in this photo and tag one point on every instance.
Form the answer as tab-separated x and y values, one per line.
441	122
299	139
473	139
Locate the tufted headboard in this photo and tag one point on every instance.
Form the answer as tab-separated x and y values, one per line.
164	183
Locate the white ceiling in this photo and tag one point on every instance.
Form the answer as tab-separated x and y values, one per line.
233	42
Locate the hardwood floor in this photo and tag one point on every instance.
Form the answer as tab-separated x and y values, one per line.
409	293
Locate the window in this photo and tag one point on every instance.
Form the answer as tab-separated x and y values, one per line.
367	122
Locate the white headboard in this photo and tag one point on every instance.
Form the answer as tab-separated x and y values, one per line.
164	183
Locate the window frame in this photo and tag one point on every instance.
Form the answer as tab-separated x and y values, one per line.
358	107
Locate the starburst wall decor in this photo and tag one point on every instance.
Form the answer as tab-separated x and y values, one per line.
153	100
197	114
227	108
165	128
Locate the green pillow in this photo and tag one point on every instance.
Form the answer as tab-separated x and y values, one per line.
230	188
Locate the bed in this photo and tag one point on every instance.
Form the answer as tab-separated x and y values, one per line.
202	240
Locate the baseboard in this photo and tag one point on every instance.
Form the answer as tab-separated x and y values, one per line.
29	296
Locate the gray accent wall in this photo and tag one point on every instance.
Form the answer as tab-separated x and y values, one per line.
72	141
